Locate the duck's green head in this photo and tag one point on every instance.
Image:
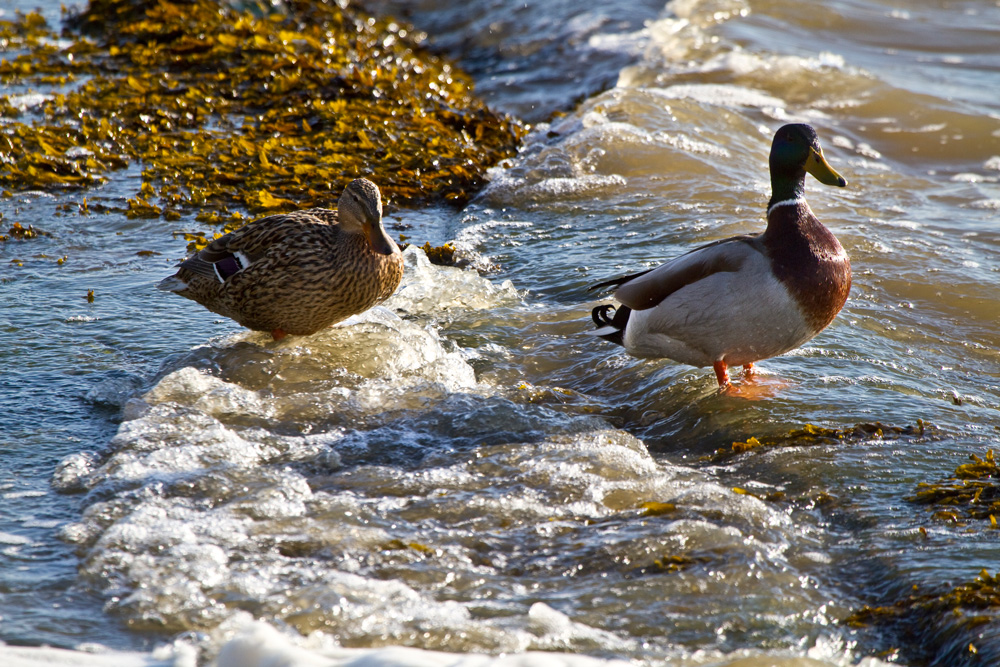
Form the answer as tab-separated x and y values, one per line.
795	151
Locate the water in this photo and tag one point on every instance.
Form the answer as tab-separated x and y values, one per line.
463	470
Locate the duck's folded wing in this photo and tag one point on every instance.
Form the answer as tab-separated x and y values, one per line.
615	282
232	253
648	289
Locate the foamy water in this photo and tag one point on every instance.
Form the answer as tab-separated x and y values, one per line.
461	476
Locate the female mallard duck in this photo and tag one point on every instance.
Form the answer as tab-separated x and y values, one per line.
298	272
747	298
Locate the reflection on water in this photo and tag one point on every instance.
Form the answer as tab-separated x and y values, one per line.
463	469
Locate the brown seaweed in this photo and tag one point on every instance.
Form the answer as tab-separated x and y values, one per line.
248	109
810	435
973	492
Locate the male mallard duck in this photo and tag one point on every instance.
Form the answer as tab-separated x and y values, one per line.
747	298
298	272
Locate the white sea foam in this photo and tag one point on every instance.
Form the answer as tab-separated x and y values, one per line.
690	145
986	204
506	187
364	487
189	488
432	291
743	63
23	656
728	95
23	494
249	643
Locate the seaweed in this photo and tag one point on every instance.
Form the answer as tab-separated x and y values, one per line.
964	607
19	232
655	508
771	497
442	255
973	492
667	564
243	107
811	435
28	30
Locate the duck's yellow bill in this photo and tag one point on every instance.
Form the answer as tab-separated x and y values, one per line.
817	165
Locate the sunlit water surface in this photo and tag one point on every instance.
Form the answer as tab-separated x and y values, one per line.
462	469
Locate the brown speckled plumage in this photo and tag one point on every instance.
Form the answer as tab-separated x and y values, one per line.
299	272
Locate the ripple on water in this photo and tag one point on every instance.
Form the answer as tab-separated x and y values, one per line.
432	473
365	484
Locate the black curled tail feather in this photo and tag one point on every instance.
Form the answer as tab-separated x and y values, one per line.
618	321
600	315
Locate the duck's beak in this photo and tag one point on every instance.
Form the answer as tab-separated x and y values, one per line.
817	165
378	239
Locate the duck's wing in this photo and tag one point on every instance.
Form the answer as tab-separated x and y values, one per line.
228	255
620	280
647	289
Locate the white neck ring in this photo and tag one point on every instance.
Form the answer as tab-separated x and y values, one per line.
785	202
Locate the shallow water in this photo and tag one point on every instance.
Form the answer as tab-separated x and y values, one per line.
462	469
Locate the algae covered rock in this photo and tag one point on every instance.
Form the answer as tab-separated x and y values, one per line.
252	106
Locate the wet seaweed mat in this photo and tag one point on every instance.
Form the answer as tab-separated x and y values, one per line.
973	492
965	614
249	108
811	435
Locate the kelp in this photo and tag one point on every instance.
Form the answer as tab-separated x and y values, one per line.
442	255
28	30
17	231
656	508
810	436
951	616
771	496
928	618
973	492
249	108
981	594
668	563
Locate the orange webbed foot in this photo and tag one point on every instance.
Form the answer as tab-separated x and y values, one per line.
278	334
722	375
754	386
